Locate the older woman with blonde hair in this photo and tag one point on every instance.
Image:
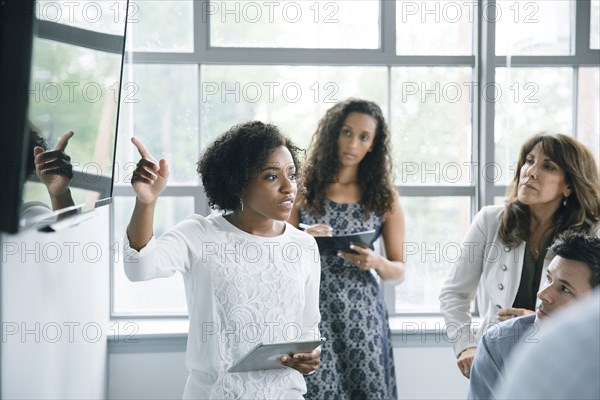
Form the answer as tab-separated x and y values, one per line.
505	254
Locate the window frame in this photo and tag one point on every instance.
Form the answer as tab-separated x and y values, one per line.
483	62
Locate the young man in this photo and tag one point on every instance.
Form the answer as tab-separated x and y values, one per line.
571	275
569	352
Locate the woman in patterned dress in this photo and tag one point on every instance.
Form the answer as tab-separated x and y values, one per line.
349	189
249	276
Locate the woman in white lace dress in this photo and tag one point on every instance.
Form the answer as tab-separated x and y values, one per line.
249	276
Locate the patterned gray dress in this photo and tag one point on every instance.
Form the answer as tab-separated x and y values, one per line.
357	359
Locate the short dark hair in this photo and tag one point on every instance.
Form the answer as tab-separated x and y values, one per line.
233	160
579	247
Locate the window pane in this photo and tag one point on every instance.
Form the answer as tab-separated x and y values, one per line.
293	98
344	24
528	100
68	82
160	106
435	27
534	27
164	296
431	125
435	228
499	201
595	25
588	104
99	16
175	19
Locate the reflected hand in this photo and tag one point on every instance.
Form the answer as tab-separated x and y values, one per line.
149	178
305	363
509	312
53	167
465	360
319	230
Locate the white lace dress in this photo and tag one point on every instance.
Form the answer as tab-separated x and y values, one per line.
241	289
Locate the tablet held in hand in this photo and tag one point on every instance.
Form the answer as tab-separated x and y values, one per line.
265	355
330	245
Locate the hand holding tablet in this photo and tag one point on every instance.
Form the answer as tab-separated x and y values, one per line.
330	245
266	356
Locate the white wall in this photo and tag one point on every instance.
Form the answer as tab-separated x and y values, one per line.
428	373
55	310
154	369
149	369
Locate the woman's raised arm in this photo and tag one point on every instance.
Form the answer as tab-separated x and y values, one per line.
148	181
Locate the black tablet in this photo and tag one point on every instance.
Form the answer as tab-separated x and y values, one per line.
330	245
265	356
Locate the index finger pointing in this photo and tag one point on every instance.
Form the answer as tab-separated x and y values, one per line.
64	140
141	148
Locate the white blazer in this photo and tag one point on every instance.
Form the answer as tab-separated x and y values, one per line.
488	268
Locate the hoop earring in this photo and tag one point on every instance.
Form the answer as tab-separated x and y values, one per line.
241	204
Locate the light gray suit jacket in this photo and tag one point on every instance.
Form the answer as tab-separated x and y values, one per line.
488	268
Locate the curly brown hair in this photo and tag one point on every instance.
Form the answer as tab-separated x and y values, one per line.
582	212
374	171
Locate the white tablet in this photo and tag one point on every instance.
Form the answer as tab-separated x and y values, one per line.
264	356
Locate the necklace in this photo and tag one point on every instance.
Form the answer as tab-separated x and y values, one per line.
538	238
534	251
535	245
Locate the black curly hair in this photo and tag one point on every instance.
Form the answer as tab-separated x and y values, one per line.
233	160
374	171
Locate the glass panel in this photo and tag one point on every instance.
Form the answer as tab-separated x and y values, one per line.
38	192
435	228
75	89
431	125
595	25
158	296
341	24
533	27
100	16
175	19
293	98
588	104
528	100
160	106
435	27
